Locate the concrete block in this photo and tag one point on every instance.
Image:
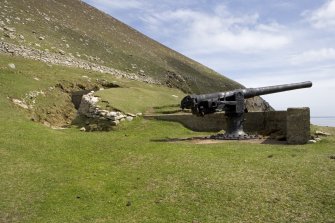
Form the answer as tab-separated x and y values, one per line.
298	125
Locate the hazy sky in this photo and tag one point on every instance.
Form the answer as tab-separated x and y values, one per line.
255	42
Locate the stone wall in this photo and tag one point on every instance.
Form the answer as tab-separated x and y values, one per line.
98	119
61	59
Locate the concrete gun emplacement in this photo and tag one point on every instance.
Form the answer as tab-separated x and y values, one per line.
233	104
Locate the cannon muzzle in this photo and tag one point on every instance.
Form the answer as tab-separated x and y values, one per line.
252	92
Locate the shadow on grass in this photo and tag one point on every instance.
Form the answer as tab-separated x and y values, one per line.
209	140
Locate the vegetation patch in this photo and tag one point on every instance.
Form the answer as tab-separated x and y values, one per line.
139	99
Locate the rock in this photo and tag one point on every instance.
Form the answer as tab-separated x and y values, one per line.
129	118
115	123
38	45
113	118
321	133
21	37
93	127
41	38
36	79
311	141
131	115
20	103
10	35
102	113
9	29
318	139
12	66
139	114
121	117
35	118
62	52
88	105
83	129
111	114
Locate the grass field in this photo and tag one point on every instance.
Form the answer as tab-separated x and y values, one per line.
125	175
139	99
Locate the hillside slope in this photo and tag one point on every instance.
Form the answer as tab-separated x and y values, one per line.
79	31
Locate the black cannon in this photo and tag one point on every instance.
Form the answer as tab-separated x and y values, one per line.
233	104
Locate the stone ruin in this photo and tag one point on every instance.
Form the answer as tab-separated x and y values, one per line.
98	119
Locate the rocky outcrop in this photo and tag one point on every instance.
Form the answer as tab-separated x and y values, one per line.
100	119
258	104
61	59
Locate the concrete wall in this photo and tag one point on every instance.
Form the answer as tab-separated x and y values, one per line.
294	126
256	122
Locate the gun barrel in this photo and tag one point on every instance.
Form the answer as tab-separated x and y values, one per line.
192	100
252	92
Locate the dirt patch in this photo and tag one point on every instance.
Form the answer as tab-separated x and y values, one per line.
206	140
58	106
250	141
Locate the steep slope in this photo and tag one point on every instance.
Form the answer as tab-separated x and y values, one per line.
79	31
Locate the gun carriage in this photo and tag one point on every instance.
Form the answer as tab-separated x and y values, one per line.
233	104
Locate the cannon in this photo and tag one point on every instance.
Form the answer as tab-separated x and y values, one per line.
233	104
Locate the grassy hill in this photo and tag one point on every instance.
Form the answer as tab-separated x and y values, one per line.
83	31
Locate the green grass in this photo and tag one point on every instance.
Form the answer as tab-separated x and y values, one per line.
69	176
140	99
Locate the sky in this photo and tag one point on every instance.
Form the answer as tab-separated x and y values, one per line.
254	42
